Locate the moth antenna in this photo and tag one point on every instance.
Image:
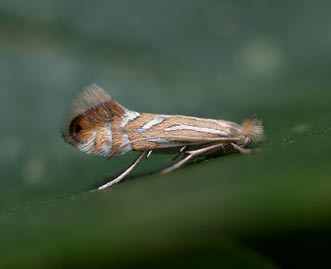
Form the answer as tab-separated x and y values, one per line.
253	129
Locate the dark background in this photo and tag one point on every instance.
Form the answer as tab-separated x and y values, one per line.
216	59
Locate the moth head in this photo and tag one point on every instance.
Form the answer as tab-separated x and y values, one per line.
83	128
89	122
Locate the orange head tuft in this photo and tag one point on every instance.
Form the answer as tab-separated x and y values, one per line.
89	122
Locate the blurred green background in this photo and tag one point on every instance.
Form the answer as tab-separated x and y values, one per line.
217	59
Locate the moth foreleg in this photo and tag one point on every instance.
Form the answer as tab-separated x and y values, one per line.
126	172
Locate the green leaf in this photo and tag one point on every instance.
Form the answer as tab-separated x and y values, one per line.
215	60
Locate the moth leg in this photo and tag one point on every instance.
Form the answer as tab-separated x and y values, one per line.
180	153
215	150
182	149
149	153
205	150
241	149
125	173
176	165
191	154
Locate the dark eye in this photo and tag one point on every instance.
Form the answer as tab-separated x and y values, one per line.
78	128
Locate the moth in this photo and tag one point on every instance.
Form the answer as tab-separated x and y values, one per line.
97	124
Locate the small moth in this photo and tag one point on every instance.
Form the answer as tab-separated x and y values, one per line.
98	124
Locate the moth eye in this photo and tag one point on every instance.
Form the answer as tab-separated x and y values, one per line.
78	128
